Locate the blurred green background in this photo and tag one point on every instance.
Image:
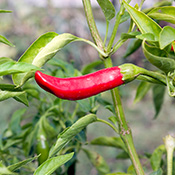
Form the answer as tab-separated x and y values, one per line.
30	19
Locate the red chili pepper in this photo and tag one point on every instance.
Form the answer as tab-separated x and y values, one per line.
81	87
172	49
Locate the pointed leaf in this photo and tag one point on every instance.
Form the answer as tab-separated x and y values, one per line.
132	47
5	59
48	129
4	170
98	161
15	121
157	157
124	17
163	14
123	155
45	48
146	36
107	8
22	99
158	172
143	22
9	94
50	165
129	35
167	36
67	135
11	67
18	165
89	67
158	58
158	98
142	90
5	41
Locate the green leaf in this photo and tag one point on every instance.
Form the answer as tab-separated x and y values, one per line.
158	172
9	94
85	105
107	8
146	36
5	11
31	90
18	165
48	129
142	90
67	135
97	161
143	22
11	67
50	165
158	58
157	157
42	50
131	170
158	4
22	99
129	35
5	59
163	14
89	67
123	155
15	121
167	36
10	91
124	17
134	44
45	48
158	98
4	170
11	142
109	141
29	139
5	41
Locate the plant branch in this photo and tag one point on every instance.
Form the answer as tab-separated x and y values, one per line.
114	32
91	23
109	124
124	130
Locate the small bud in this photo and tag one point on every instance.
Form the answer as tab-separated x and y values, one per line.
169	142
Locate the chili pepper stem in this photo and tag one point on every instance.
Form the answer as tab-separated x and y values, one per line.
124	130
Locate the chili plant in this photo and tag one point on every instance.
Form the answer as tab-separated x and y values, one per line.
57	131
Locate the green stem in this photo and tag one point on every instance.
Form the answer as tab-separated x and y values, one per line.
124	130
155	75
91	23
109	124
169	142
170	161
100	50
106	35
117	46
114	32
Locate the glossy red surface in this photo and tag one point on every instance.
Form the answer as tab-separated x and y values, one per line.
76	88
